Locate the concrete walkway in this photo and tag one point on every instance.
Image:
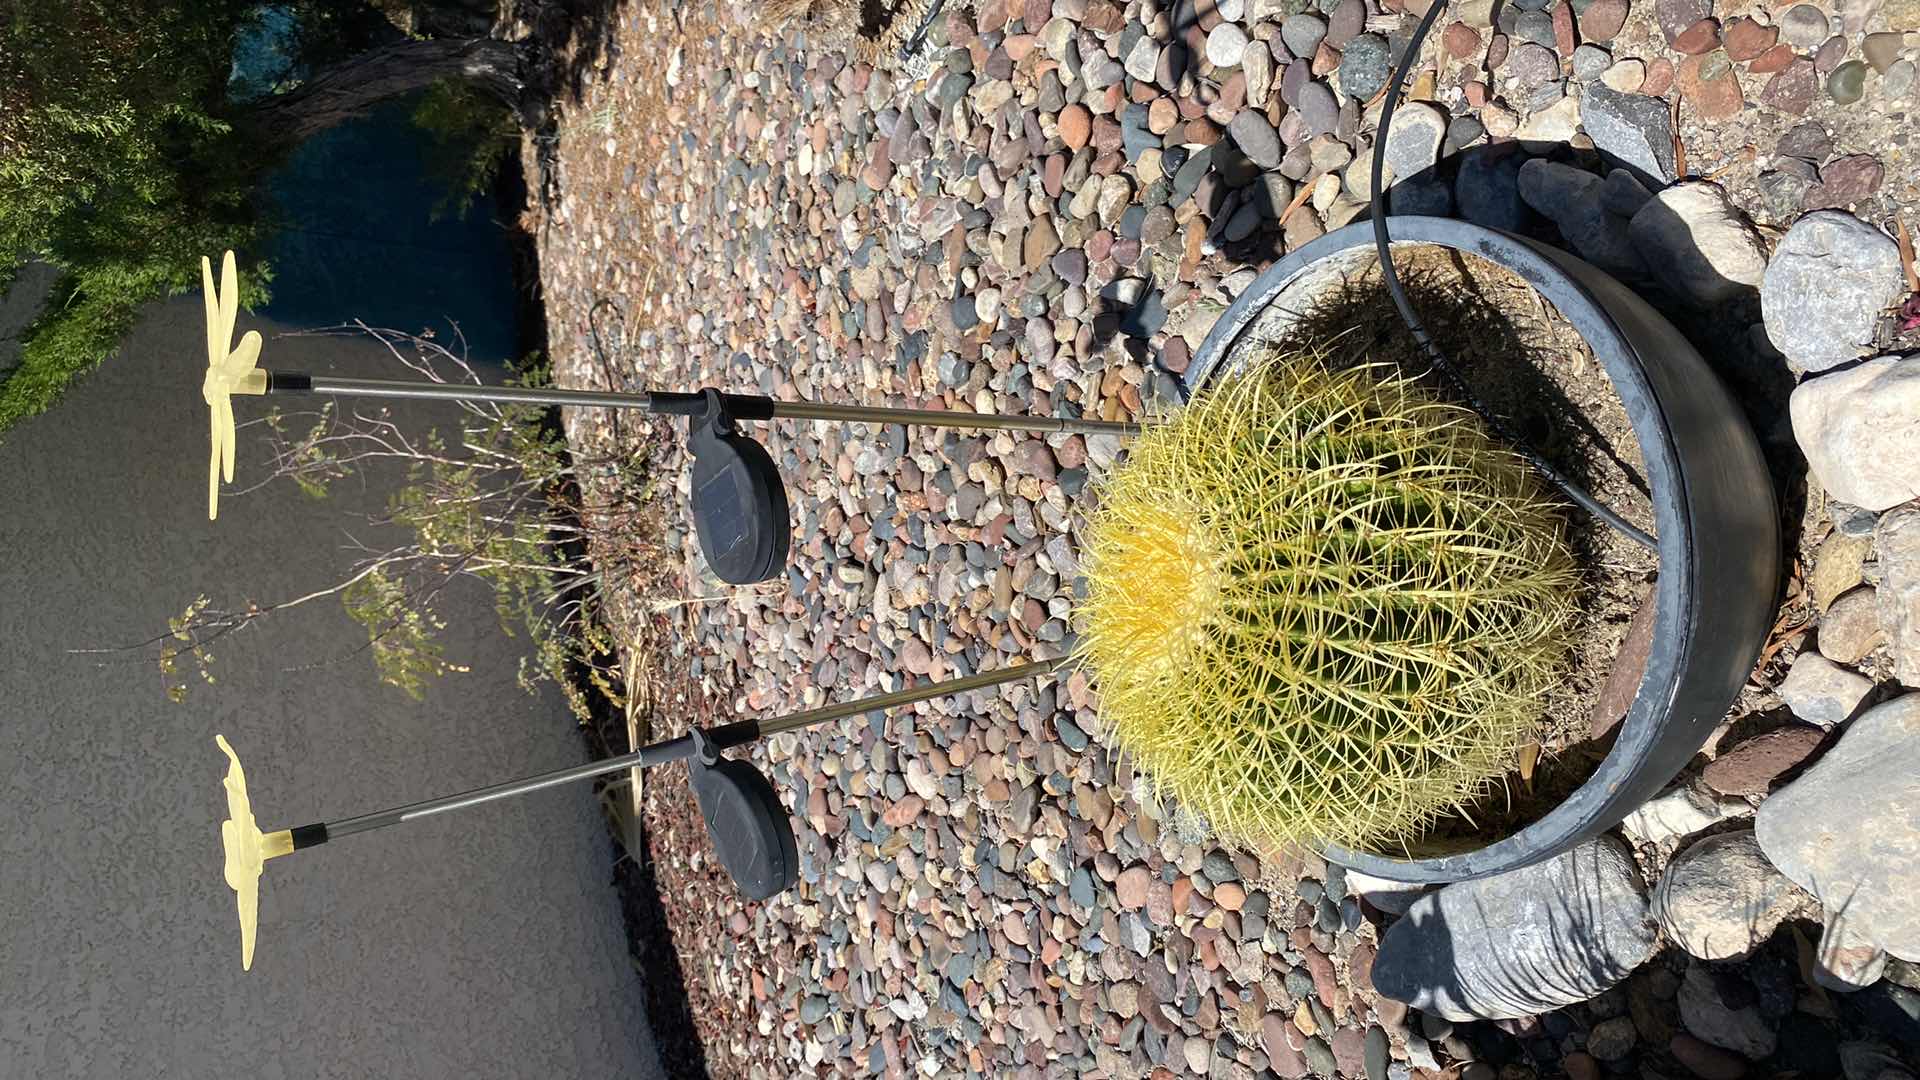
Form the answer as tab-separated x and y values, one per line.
485	944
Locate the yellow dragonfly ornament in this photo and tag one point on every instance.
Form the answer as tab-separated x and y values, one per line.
247	850
230	370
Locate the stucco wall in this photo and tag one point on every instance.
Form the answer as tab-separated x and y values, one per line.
484	944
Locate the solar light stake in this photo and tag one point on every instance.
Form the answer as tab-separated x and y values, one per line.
724	737
738	406
750	829
739	503
740	512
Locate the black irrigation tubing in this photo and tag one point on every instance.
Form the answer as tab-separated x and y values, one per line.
600	351
1425	340
919	37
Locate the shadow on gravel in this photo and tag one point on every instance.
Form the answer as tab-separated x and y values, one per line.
669	1012
575	37
661	978
571	39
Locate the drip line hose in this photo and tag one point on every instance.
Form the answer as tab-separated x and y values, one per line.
920	33
1425	340
600	352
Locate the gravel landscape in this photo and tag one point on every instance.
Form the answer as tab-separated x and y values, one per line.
1045	209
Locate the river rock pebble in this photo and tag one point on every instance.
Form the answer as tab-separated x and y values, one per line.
1846	83
1822	692
1320	1058
1611	1040
1552	124
1626	76
1225	44
1302	33
1845	181
1718	1011
1590	62
1413	144
1882	50
1600	21
1522	942
1804	25
1746	39
1850	627
1758	764
1319	109
1365	63
1256	138
1791	89
1706	1061
1901	80
1533	64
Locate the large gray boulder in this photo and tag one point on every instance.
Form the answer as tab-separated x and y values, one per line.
1848	831
1860	431
1828	284
1524	942
1487	189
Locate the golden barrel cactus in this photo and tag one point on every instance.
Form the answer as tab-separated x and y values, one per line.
1322	606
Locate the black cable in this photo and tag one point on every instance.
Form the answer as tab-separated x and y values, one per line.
920	33
1419	330
606	368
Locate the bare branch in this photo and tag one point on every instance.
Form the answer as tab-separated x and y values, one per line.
497	499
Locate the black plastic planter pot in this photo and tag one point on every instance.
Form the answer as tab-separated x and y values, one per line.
1713	510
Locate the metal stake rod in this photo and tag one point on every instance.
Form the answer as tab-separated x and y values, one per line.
742	406
727	735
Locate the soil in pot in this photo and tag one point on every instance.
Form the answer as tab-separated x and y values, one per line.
1527	364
